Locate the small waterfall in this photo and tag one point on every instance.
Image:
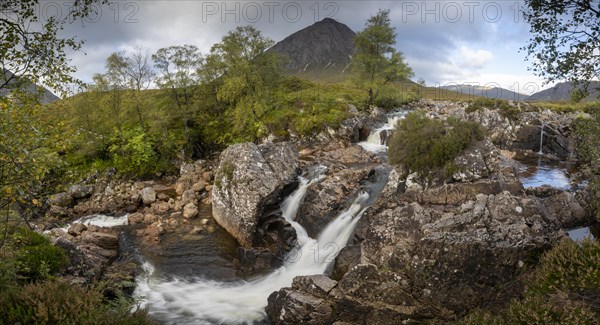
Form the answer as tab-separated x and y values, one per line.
374	142
201	301
542	140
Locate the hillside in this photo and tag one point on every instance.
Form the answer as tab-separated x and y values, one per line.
487	92
319	51
562	92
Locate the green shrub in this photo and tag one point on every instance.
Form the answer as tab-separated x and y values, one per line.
36	258
429	146
55	302
394	100
133	152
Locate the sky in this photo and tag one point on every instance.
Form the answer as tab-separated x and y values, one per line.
445	42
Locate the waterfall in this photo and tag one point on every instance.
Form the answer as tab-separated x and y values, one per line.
542	140
201	301
374	142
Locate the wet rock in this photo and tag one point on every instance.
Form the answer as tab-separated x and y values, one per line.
325	199
77	229
80	191
190	211
148	195
249	179
565	209
62	200
135	218
288	306
102	240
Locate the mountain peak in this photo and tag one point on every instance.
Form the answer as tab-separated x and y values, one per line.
325	46
329	20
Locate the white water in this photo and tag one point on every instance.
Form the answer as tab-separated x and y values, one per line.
542	140
374	142
201	301
98	220
101	220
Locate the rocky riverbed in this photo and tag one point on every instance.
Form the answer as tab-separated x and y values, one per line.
413	251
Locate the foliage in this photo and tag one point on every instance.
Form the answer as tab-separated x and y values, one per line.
579	94
565	39
428	146
56	302
37	258
30	48
564	289
133	152
247	77
376	61
179	74
391	98
587	133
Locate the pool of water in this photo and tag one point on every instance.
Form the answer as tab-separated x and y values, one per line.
536	170
579	234
183	253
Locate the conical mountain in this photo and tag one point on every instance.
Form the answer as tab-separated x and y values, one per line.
322	48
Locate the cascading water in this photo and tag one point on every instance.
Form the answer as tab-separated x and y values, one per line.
201	301
375	142
542	139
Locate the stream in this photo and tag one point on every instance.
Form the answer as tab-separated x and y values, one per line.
201	297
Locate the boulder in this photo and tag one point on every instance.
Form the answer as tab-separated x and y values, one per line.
564	208
290	305
80	191
62	200
479	160
148	195
250	181
190	211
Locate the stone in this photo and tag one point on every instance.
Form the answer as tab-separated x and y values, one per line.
135	218
102	240
62	200
148	195
478	161
249	179
77	229
80	191
190	211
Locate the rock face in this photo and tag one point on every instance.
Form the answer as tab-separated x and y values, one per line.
250	180
433	254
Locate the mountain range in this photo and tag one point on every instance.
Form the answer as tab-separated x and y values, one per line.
488	92
562	92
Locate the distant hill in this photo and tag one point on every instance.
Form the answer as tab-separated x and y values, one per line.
47	96
324	48
494	92
562	92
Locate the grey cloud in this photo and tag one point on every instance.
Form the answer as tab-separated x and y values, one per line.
427	44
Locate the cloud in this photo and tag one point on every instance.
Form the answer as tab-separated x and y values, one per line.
438	43
474	59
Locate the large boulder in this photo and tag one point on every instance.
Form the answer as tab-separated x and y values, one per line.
479	160
249	182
